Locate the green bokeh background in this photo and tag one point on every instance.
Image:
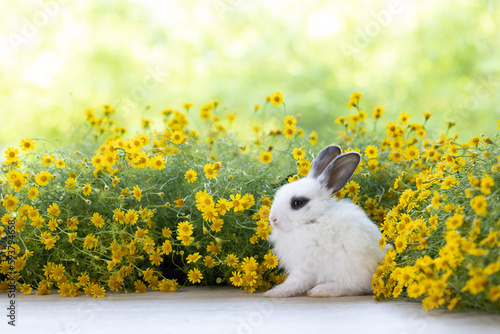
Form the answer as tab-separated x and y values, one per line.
58	57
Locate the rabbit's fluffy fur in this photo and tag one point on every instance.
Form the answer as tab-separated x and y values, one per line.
328	247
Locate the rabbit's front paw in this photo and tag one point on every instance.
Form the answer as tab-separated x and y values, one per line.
328	289
279	292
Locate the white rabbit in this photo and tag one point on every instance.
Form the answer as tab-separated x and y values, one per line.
328	247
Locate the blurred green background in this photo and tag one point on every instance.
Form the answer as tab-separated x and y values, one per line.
58	57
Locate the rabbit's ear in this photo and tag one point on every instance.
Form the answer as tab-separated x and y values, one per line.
339	171
325	157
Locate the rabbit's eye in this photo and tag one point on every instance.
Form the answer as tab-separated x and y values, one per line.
298	202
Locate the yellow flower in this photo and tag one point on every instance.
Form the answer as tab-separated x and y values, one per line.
397	291
139	286
373	164
340	120
371	152
131	217
479	205
177	137
140	160
396	144
298	154
403	118
290	121
87	189
487	183
362	115
236	203
47	159
119	215
27	144
60	163
270	260
17	183
313	137
205	113
456	221
43	178
37	221
10	202
448	182
209	261
436	201
53	210
25	289
83	279
434	299
167	285
166	248
494	291
477	283
210	214
289	131
378	112
401	243
89	241
4	267
250	278
210	173
353	119
236	279
249	264
393	130
223	205
190	176
352	188
137	193
33	213
354	99
474	181
193	258
266	157
412	153
474	141
157	162
97	220
303	167
179	202
490	241
115	181
72	236
214	248
195	276
186	240
155	257
184	228
70	182
140	233
231	260
11	155
96	291
276	99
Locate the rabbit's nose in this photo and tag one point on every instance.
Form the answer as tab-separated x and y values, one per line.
273	220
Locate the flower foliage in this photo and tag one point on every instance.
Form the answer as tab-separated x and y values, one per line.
176	205
161	208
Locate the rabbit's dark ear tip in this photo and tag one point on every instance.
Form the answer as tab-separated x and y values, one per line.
327	155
